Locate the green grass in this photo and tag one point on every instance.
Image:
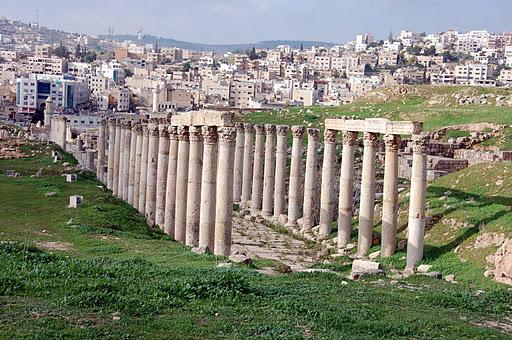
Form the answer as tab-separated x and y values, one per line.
120	279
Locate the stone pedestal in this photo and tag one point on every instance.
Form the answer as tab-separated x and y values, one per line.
133	156
390	199
311	176
280	178
151	175
111	152
346	196
138	158
195	165
208	188
417	207
248	161
170	194
295	186
100	169
161	175
257	174
126	158
239	162
117	150
269	171
143	170
180	219
224	204
367	205
327	189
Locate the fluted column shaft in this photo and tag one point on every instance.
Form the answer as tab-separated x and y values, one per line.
121	160
138	158
258	167
161	175
143	170
100	169
182	185
417	201
294	194
151	173
224	204
208	188
195	165
239	162
346	195
133	155
269	171
248	162
310	187
117	150
327	188
367	201
111	152
280	178
170	190
390	198
126	158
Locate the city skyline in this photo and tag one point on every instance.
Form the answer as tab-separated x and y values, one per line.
205	22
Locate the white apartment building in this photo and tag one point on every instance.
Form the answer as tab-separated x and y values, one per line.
472	74
53	65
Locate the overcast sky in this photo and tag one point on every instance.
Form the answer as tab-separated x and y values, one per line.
239	21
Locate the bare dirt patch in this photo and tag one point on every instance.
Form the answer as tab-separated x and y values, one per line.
53	245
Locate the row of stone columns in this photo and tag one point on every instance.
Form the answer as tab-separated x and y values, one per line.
179	177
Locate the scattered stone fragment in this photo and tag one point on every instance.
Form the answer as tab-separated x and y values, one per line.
75	201
240	258
424	268
450	278
201	250
362	268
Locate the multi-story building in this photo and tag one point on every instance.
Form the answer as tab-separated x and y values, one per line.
473	74
43	65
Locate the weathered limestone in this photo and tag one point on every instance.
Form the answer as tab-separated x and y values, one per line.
367	205
117	149
294	195
181	185
100	169
208	188
374	125
138	159
269	171
143	170
310	188
416	224
346	195
120	173
239	162
170	190
258	166
195	165
247	168
161	175
224	204
327	190
133	156
126	158
151	173
390	199
280	178
111	152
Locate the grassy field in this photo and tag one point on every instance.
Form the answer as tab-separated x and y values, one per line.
99	271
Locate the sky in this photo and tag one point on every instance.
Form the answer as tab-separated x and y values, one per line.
245	21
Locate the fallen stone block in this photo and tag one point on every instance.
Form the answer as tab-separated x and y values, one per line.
362	268
424	268
10	173
70	178
75	201
240	258
201	250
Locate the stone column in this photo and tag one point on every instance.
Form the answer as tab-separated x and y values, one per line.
417	205
280	184
310	187
111	152
133	156
367	201
100	169
327	189
239	162
151	175
121	160
258	166
294	194
170	190
182	185
126	158
138	159
248	159
143	170
269	172
195	165
346	196
117	150
208	188
390	199
161	175
224	204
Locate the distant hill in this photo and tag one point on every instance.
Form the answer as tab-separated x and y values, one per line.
168	42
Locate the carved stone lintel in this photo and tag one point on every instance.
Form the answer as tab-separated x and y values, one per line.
249	127
349	138
260	129
330	136
270	129
313	133
298	131
370	139
210	135
227	136
282	130
420	143
183	134
173	133
392	142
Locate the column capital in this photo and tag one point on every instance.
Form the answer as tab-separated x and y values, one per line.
282	130
145	130
210	135
227	136
164	131
420	143
103	121
260	129
153	130
270	129
112	121
137	128
298	131
249	127
330	136
370	139
173	132
239	127
349	138
195	134
392	142
155	121
313	133
183	135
